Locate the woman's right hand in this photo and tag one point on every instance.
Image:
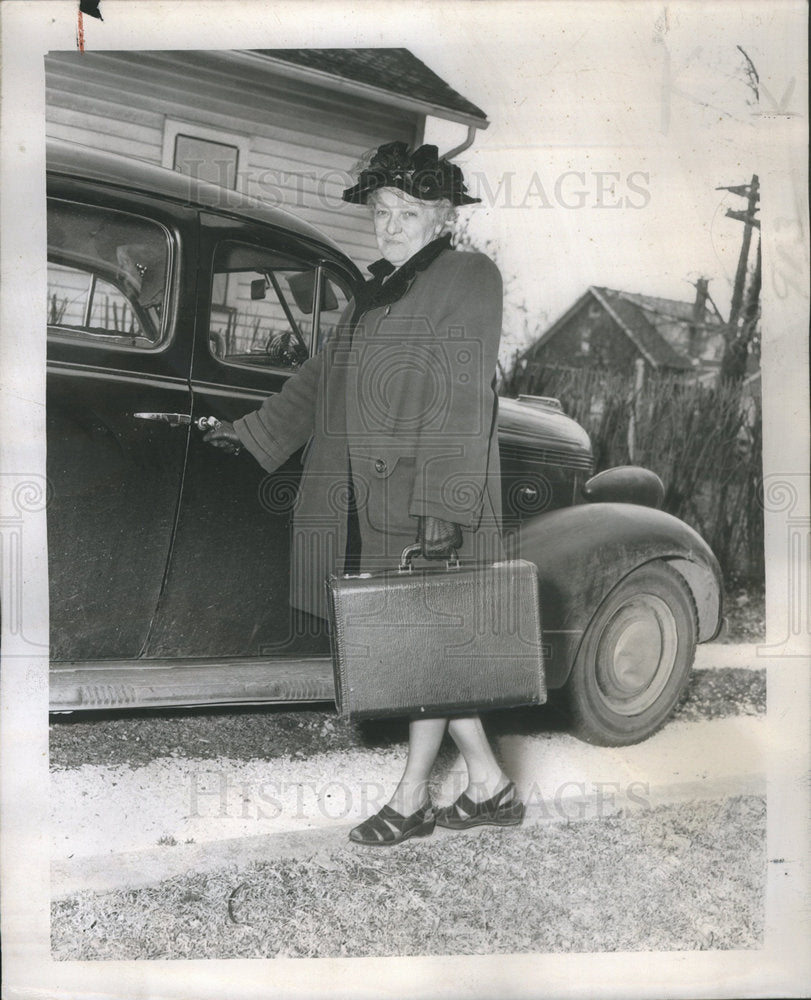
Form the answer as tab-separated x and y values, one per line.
225	437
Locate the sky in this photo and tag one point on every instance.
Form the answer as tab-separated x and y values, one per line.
612	125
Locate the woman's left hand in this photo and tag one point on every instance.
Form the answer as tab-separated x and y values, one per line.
437	537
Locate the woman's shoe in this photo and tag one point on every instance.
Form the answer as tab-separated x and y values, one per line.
503	809
388	827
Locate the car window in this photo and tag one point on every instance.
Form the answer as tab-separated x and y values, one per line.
108	276
263	304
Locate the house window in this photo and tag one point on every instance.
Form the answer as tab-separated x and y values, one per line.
209	155
215	162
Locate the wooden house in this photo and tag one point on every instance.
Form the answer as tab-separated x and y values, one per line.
284	125
612	330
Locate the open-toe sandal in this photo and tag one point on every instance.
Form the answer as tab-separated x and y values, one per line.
503	809
388	827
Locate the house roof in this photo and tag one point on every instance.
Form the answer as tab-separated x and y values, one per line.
633	319
670	308
648	321
394	72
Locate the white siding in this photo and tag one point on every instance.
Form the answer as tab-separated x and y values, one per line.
303	140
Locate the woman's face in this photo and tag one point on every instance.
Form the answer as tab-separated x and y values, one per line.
403	225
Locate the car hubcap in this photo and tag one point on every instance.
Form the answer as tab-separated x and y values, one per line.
636	654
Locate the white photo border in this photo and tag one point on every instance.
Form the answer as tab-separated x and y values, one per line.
29	31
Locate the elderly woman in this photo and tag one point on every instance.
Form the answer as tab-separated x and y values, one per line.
399	412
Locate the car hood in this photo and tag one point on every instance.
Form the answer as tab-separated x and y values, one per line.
533	423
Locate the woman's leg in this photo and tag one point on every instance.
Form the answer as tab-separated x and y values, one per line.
485	777
410	799
490	797
424	740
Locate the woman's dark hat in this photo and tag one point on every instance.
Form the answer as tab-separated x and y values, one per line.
422	174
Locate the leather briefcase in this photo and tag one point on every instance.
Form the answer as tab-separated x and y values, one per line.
446	639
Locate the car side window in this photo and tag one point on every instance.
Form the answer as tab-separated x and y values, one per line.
263	305
108	276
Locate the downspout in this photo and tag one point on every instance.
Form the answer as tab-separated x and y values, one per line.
471	135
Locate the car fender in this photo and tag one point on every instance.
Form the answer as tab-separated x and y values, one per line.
583	552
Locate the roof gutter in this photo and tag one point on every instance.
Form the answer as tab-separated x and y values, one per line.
468	142
364	90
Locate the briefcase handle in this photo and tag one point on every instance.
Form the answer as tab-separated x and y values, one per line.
410	551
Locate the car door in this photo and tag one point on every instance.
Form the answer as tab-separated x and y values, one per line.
227	589
119	345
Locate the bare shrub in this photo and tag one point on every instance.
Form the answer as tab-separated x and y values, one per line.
704	441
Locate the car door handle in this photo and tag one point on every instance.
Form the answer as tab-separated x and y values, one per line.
180	420
173	419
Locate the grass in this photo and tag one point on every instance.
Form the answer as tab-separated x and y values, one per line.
745	612
687	877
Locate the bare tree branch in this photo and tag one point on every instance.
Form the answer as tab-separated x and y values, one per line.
752	77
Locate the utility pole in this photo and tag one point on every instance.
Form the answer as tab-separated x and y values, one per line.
733	365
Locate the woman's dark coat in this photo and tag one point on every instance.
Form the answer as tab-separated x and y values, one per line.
408	399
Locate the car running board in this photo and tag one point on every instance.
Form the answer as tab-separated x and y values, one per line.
112	684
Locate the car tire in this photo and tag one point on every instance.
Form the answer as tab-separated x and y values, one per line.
634	659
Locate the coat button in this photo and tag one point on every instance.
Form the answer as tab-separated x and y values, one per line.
380	465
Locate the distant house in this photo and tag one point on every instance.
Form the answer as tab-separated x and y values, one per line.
285	125
611	329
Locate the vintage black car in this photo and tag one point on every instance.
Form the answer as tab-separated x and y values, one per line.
171	301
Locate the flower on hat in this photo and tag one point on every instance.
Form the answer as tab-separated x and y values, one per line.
422	174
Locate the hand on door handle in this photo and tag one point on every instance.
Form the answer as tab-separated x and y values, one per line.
220	434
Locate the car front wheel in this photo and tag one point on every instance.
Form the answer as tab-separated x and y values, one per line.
634	659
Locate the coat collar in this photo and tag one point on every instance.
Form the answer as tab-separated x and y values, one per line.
378	292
